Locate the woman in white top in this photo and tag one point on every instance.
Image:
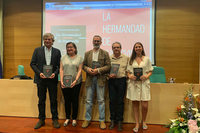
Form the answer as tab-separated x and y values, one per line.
139	90
71	64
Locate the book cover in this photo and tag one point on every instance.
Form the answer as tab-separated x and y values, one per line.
47	70
114	69
67	80
95	64
138	72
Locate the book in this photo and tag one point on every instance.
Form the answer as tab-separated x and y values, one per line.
138	72
95	64
67	80
47	70
114	69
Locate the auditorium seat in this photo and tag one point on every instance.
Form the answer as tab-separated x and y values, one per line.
158	75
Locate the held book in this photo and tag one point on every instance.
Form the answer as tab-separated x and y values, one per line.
47	70
138	72
95	64
114	69
67	80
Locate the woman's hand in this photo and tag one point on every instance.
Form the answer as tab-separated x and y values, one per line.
73	84
143	77
62	85
132	77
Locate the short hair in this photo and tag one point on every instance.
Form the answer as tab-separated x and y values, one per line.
117	43
48	35
74	45
98	36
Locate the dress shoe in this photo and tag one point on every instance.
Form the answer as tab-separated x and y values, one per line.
66	123
74	124
56	124
39	124
112	125
85	124
102	125
119	126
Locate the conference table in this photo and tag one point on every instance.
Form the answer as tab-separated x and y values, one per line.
19	98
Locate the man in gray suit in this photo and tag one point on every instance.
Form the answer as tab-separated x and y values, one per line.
46	55
96	64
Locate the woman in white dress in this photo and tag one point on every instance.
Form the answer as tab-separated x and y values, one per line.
139	90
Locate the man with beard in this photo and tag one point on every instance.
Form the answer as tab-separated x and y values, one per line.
96	64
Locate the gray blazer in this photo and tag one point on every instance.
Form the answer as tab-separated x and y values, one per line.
104	68
38	60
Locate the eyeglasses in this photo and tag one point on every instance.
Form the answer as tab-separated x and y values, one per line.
116	47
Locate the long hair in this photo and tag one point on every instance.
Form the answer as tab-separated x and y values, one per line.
133	56
74	45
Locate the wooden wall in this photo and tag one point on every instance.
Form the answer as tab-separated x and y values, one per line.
177	37
22	34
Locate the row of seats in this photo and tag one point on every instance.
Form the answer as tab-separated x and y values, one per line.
158	75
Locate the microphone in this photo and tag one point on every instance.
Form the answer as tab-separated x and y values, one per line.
6	72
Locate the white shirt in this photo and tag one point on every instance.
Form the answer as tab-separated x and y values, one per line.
47	55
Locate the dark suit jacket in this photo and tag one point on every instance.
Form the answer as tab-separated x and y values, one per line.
104	59
38	60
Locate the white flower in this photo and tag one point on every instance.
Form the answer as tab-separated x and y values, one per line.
183	131
182	106
195	95
181	124
174	124
173	120
198	119
195	109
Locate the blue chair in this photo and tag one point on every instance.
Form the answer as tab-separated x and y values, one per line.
158	75
21	70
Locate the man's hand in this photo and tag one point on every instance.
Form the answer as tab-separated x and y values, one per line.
52	76
93	71
112	76
42	76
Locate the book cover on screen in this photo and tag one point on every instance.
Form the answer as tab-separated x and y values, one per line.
138	72
95	64
67	80
47	70
114	69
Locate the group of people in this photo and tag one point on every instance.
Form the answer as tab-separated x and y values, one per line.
96	78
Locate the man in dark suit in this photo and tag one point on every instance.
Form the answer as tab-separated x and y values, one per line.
96	80
46	55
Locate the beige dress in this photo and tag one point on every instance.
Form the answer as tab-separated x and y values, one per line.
139	90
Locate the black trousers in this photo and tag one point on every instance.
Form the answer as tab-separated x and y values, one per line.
71	96
42	90
117	89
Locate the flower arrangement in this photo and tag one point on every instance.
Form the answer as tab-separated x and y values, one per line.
188	120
